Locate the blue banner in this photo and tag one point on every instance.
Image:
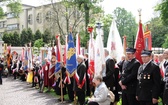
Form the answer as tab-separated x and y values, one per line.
71	63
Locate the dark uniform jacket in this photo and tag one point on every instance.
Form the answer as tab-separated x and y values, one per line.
149	82
109	79
81	72
129	75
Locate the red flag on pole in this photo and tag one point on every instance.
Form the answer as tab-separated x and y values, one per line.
139	43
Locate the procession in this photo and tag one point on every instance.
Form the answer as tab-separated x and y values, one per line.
76	62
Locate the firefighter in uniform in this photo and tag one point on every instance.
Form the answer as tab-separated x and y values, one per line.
148	89
129	80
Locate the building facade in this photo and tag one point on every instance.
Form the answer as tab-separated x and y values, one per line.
37	18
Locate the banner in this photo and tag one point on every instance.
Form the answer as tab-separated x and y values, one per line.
71	63
148	40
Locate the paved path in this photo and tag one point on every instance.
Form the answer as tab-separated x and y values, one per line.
16	92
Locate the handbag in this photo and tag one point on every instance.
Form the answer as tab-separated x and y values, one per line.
111	95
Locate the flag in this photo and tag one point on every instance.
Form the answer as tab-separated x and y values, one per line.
99	52
124	44
148	40
91	57
59	56
30	58
65	49
77	44
114	43
71	63
26	59
139	43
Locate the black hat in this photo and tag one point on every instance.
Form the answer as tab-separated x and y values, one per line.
130	50
146	53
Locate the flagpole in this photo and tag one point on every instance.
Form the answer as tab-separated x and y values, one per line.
59	46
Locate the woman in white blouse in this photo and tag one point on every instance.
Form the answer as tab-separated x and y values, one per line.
101	93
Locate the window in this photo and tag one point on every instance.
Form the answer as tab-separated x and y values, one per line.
11	15
1	35
12	26
39	18
48	16
2	24
30	21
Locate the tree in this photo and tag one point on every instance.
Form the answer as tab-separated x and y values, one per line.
158	31
126	25
37	35
15	39
26	36
30	36
46	36
14	5
6	38
107	19
38	43
165	44
162	8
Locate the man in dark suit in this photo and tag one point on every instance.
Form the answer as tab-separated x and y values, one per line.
165	77
108	72
148	89
1	70
128	80
88	92
80	79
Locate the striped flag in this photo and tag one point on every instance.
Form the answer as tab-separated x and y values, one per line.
91	57
59	55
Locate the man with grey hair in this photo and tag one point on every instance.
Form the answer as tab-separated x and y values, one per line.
80	79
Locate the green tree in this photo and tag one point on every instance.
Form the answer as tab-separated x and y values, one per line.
38	43
126	25
14	5
46	36
30	36
158	31
16	38
6	38
24	37
162	8
165	44
107	19
37	35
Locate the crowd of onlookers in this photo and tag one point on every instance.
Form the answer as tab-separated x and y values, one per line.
141	83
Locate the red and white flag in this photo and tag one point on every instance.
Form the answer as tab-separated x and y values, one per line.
91	57
114	43
99	52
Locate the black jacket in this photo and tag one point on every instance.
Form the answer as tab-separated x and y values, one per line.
149	82
81	72
109	79
129	75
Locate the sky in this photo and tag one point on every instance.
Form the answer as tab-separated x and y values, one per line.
147	7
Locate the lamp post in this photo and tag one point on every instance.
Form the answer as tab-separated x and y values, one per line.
99	29
1	42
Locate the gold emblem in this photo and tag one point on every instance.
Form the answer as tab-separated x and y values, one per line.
70	53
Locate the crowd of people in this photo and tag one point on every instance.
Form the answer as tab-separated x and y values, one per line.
141	83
